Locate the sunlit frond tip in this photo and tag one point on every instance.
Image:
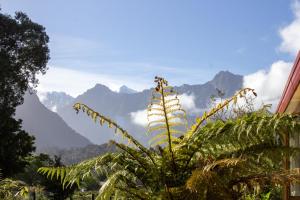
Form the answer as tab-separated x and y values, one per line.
166	117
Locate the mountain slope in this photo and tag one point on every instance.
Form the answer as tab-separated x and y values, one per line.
49	128
120	106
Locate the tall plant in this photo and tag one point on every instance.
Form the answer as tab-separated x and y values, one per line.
222	159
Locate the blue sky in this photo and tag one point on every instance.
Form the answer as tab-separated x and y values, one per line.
129	42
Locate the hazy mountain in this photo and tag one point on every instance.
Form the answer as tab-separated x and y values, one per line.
55	100
120	106
49	128
126	90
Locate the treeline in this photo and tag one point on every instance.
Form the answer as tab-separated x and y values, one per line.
76	155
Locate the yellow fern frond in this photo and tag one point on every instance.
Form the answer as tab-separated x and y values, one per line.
164	114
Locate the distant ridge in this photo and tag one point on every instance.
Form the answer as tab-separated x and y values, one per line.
119	107
49	128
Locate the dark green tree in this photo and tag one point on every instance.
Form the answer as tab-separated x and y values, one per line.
23	54
15	145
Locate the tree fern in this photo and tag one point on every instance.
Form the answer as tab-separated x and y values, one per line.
221	159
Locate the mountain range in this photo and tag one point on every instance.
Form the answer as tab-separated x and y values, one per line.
126	107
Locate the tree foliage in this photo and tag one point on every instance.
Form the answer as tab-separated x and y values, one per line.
212	159
15	145
23	54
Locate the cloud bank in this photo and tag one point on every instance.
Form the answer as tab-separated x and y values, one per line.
75	82
269	84
290	34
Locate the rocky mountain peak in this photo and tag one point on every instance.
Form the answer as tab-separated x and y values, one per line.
126	90
227	82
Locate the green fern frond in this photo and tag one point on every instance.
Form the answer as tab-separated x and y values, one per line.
111	124
120	185
71	175
219	107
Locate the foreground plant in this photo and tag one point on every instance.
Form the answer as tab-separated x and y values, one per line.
209	160
12	189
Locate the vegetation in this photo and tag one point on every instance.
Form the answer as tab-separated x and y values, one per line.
52	189
78	154
232	158
23	54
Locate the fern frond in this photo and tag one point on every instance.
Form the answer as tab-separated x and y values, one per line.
166	107
164	111
281	177
217	108
71	175
136	155
227	162
119	182
12	189
111	124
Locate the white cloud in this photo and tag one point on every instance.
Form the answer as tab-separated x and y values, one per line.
269	85
42	96
290	34
139	117
188	103
75	82
54	109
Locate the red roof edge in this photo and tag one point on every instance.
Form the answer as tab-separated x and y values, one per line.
290	87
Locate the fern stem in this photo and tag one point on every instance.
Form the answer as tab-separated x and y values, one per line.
131	154
168	192
167	126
